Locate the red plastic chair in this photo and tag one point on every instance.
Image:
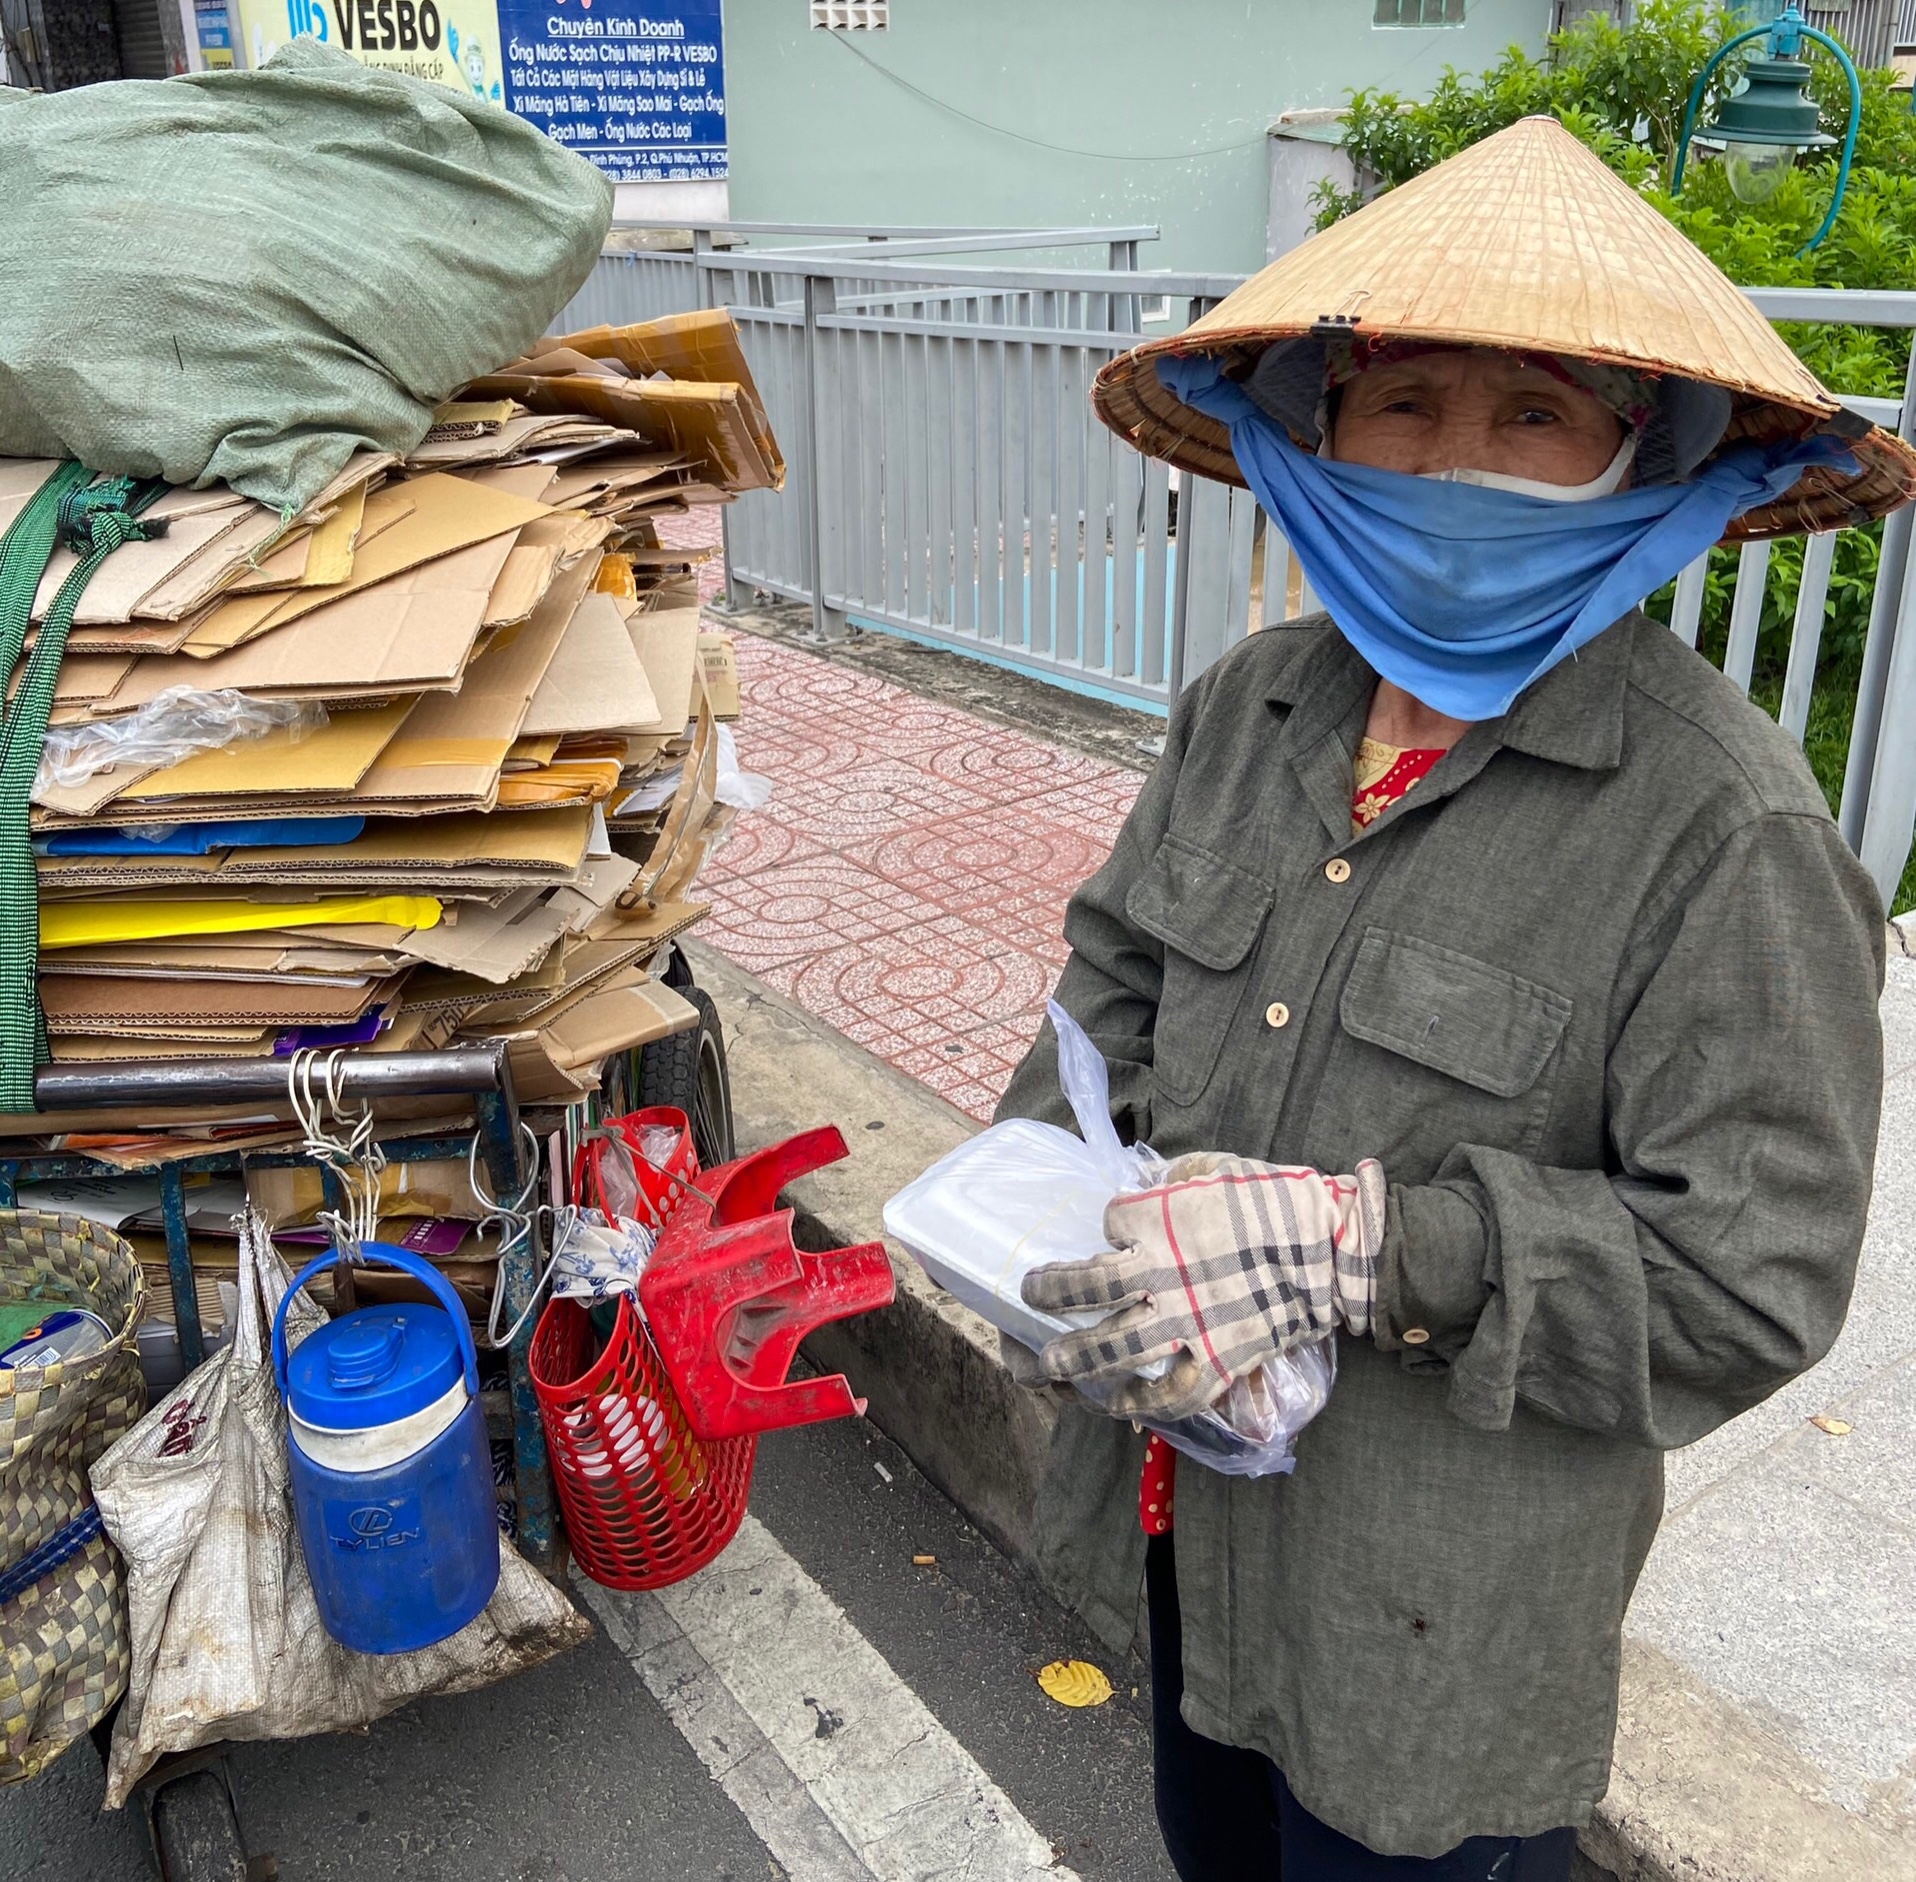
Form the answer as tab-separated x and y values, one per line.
652	1438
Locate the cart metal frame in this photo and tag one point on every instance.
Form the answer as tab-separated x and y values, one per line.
479	1072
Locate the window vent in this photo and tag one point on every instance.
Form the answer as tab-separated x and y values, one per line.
1415	13
868	16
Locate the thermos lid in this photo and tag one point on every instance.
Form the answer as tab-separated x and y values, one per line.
374	1367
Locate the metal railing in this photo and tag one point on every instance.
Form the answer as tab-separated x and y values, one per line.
949	480
644	283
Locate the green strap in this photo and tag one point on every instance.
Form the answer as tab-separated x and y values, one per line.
92	520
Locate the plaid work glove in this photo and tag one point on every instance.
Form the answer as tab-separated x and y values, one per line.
1221	1267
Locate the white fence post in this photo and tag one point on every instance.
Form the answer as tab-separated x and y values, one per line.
821	530
1866	727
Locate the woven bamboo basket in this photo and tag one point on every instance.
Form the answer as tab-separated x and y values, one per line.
64	1636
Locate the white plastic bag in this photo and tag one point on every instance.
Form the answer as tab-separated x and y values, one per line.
593	1259
227	1642
1021	1194
742	789
171	726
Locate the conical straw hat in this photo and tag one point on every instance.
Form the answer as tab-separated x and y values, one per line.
1525	240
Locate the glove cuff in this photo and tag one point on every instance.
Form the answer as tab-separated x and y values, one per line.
1360	1245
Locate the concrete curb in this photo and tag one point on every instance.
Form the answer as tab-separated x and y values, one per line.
928	1367
1702	1790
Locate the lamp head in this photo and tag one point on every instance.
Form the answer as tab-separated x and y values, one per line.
1763	126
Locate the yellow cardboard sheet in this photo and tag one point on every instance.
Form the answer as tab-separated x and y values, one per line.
130	918
324	556
327	762
474	412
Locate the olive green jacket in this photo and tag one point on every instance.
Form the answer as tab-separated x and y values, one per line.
1600	994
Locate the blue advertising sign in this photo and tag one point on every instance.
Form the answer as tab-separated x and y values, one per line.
640	93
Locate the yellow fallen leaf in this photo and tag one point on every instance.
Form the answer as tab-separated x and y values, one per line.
1836	1427
1075	1683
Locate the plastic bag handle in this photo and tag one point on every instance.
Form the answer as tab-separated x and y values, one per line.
408	1263
1085	1080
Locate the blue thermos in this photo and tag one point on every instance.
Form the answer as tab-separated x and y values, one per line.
391	1472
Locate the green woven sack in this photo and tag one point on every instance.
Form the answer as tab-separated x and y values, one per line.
247	276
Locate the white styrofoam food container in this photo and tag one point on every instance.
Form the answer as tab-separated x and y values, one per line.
1004	1202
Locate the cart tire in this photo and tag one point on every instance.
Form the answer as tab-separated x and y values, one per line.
688	1072
197	1832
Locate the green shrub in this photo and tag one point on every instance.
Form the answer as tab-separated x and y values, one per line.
1622	90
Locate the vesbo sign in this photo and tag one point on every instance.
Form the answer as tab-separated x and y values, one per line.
640	94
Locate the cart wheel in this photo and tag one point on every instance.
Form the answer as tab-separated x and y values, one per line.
196	1831
688	1072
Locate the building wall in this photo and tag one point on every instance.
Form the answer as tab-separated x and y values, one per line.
77	41
1063	111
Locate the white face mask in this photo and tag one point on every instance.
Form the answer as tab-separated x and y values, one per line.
1604	484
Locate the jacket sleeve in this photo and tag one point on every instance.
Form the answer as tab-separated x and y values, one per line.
1115	974
1714	1260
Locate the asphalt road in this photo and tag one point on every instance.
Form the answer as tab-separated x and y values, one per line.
577	1773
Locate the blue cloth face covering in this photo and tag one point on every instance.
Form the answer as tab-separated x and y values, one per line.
1463	595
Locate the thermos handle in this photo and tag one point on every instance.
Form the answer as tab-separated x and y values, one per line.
408	1263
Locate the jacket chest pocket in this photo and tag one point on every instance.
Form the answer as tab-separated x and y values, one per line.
1208	913
1434	1049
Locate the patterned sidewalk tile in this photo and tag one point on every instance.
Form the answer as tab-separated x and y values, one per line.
922	986
971	1070
799	911
756	843
873	798
907	881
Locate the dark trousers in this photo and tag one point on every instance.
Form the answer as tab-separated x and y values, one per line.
1227	1815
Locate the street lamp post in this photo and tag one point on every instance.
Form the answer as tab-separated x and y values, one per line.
1765	125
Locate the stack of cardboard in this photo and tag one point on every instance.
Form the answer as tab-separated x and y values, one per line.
489	778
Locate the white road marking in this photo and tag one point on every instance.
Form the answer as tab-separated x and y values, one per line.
790	1825
840	1768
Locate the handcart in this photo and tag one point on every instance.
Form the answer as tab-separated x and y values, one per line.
187	1799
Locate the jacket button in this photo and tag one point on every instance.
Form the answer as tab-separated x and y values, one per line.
1277	1014
1337	870
1416	1336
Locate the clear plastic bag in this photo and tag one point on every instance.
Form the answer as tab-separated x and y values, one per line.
657	1143
1022	1194
618	1177
171	726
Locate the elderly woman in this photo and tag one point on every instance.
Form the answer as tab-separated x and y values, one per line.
1495	978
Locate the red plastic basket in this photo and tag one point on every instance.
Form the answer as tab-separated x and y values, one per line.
651	1439
645	1501
660	1186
